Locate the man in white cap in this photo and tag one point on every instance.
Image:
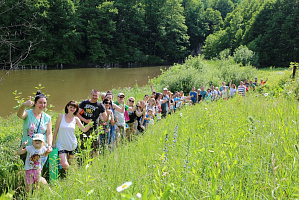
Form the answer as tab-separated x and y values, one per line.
120	123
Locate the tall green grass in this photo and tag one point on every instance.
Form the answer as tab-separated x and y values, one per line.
241	148
11	175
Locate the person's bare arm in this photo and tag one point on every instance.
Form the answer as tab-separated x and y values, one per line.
152	89
119	109
22	112
80	125
82	118
49	136
112	122
58	121
139	112
105	115
21	149
266	80
47	153
132	109
143	118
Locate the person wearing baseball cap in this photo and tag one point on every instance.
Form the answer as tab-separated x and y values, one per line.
120	127
121	95
33	162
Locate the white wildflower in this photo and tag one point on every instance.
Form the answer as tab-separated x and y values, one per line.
138	195
123	186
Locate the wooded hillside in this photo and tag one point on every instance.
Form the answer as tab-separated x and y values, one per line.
121	32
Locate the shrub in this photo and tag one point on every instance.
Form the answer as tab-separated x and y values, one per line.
225	54
198	72
245	56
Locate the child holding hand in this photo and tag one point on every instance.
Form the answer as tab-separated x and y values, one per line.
33	160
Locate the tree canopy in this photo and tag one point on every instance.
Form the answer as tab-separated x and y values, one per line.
121	33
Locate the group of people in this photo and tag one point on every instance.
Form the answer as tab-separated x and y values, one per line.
104	124
224	92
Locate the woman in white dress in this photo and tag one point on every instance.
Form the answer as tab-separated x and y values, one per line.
66	142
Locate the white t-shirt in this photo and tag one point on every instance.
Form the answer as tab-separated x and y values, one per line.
33	159
121	116
232	92
66	139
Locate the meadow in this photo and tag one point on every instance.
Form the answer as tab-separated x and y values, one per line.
243	148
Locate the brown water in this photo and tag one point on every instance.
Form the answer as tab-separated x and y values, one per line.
67	84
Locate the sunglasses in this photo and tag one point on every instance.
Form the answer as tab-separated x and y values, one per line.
106	102
121	97
131	101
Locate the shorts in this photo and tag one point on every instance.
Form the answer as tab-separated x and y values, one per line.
32	176
120	131
95	143
132	126
69	152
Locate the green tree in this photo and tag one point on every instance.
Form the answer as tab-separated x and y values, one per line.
176	39
224	7
155	21
166	32
100	31
212	21
60	40
129	39
193	12
273	34
215	43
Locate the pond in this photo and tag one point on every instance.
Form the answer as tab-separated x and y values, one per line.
67	84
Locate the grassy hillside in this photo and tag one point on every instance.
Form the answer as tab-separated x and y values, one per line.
240	148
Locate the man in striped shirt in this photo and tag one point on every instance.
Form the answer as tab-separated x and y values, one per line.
241	89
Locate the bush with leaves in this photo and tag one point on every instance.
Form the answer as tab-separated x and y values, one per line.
245	56
199	72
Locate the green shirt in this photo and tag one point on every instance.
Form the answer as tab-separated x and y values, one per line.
32	126
126	107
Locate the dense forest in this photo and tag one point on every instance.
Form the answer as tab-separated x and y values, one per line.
130	32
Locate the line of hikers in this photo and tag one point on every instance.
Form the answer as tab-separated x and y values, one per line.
104	124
